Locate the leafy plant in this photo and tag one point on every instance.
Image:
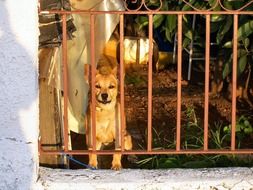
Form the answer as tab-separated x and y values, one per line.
219	138
221	29
193	138
222	35
243	129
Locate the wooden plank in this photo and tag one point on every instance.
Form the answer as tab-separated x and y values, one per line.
50	130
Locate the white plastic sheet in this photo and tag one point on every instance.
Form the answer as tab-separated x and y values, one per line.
79	54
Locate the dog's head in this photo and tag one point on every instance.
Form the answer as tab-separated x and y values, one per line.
106	86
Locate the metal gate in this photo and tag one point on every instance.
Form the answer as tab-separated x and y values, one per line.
144	9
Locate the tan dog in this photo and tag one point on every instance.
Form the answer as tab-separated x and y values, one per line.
108	122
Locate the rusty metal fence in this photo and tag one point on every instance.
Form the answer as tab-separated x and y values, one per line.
149	150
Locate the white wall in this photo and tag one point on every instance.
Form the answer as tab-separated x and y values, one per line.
18	93
19	124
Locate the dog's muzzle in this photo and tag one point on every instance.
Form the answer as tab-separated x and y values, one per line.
104	100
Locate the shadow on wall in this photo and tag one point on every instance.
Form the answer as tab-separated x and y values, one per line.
18	95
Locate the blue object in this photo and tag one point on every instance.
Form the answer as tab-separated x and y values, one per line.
78	162
162	44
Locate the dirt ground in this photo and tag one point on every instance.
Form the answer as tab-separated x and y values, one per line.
165	102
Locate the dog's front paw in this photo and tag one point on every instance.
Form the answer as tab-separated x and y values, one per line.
93	165
116	167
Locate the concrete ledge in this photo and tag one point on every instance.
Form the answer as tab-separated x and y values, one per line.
212	179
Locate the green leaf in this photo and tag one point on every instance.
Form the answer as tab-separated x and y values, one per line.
228	44
242	52
248	130
186	19
242	119
170	27
141	21
224	28
217	18
227	4
187	7
246	42
245	30
227	68
237	4
171	22
144	161
247	123
157	20
247	126
168	35
226	129
168	163
242	64
215	27
200	5
165	6
238	127
154	2
211	2
186	42
188	32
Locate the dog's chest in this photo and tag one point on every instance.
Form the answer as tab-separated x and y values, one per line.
105	126
102	115
105	120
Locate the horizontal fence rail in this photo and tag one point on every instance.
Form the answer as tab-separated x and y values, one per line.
150	150
148	12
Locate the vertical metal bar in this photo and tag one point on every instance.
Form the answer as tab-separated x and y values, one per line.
235	43
122	76
179	75
93	75
65	81
207	64
150	55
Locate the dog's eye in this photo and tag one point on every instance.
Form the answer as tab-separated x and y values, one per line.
111	87
98	86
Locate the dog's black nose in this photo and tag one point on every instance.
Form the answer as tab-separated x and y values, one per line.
104	96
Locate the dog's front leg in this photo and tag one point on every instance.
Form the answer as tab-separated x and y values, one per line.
116	162
93	162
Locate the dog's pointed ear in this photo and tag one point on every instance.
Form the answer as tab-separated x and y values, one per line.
115	71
